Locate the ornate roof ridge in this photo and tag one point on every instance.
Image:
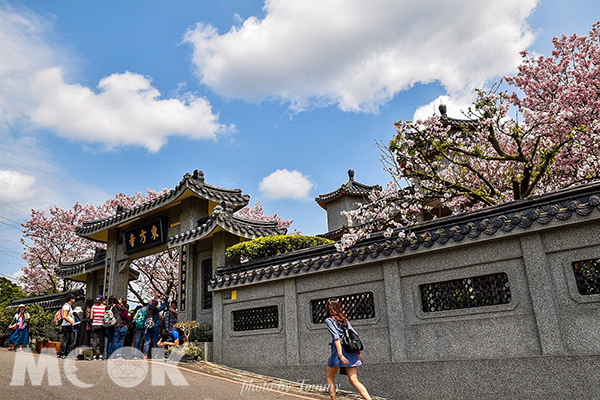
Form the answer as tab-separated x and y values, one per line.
223	217
194	182
54	300
352	188
543	209
459	123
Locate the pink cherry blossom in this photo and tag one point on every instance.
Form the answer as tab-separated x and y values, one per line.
543	136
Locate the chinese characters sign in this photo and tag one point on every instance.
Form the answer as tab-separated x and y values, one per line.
144	237
107	277
183	262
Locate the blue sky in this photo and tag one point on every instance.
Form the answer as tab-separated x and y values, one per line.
278	98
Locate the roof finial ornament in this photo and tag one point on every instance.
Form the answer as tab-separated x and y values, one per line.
351	174
443	109
199	175
227	207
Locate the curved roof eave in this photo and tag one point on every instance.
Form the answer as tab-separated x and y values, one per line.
242	227
194	183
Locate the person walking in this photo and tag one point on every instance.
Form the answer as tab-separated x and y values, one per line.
171	316
336	323
139	322
20	335
97	316
68	321
84	333
113	328
126	320
152	326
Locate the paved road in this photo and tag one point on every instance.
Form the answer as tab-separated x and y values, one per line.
34	376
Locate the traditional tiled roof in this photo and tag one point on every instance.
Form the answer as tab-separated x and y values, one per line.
49	301
193	182
350	188
456	123
519	215
98	261
224	218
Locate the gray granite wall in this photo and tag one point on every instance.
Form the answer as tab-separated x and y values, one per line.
547	331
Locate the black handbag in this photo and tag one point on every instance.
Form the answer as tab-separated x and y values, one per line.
351	342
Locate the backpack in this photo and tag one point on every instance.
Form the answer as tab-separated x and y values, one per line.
109	320
350	341
140	319
58	317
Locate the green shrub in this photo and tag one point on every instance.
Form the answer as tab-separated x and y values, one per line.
273	245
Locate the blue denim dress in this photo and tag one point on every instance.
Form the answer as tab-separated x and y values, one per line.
337	332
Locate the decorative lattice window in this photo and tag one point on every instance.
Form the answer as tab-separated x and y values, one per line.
251	319
477	291
207	275
587	276
355	306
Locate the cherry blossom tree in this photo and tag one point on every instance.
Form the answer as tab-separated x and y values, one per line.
50	241
257	213
543	136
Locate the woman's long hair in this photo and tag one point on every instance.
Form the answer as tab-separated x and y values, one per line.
112	300
333	309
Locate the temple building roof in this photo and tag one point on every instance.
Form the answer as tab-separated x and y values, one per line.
223	219
456	123
350	188
518	216
49	301
77	271
192	185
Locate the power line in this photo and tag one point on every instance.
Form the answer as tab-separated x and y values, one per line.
12	278
13	263
9	250
11	226
8	240
11	220
6	254
16	209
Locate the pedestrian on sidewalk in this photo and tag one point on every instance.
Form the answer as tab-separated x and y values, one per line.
152	326
68	321
20	335
97	316
341	359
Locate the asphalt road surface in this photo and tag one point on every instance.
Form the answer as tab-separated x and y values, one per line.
34	376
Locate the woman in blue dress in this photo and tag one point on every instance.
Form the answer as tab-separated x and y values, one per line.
20	336
340	358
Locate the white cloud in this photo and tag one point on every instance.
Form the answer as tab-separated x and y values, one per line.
127	110
359	54
15	186
284	184
456	107
124	110
51	185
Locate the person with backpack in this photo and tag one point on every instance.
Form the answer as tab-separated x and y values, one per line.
139	323
152	326
68	321
349	359
113	324
97	316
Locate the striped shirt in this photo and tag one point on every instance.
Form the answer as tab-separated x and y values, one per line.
98	310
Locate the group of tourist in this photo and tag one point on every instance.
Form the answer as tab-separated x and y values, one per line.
109	321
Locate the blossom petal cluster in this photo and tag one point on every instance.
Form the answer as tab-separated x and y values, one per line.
543	136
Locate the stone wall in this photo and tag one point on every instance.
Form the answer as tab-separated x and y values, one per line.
541	338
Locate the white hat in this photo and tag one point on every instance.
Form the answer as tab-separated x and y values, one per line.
78	310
